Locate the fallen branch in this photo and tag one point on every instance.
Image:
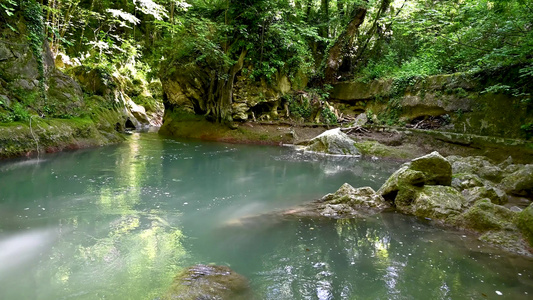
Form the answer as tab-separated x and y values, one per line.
358	129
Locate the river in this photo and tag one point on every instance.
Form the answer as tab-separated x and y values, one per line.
119	222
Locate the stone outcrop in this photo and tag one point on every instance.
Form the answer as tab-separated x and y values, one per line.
209	282
56	94
460	99
188	88
49	106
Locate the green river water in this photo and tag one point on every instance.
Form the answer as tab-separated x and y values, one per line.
119	222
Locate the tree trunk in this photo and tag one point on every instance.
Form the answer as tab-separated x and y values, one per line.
373	29
340	9
338	51
325	18
220	95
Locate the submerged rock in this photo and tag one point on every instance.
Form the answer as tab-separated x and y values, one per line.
208	282
335	142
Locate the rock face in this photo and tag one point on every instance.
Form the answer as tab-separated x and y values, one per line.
334	142
199	88
209	283
459	97
61	118
56	93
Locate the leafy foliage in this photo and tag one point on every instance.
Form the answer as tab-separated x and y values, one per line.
431	37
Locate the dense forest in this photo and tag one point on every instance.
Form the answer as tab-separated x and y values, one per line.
314	43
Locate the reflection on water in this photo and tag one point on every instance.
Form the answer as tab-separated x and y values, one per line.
119	222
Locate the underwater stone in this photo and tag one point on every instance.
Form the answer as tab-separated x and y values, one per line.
209	282
485	216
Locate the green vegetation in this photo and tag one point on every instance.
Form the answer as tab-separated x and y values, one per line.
312	43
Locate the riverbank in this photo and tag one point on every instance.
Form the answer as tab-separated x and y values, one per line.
40	136
386	142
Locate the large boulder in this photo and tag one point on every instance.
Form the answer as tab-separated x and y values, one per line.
431	169
335	142
524	221
435	167
435	202
209	282
520	182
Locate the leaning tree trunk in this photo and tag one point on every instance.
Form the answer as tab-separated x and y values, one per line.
220	95
339	49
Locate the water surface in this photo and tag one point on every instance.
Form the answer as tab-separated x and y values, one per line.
119	222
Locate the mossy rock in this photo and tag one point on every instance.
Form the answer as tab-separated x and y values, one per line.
520	182
508	240
485	216
524	221
364	197
401	179
209	282
436	202
435	167
478	165
466	181
495	195
374	148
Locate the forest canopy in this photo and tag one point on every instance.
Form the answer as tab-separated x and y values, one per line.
325	40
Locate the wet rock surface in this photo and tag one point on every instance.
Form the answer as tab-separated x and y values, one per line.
334	142
209	282
468	193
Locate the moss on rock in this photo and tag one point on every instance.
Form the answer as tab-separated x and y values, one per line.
485	216
435	167
524	221
436	202
373	148
520	182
